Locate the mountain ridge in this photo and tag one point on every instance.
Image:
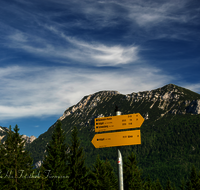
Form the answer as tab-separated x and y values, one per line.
165	94
152	105
169	134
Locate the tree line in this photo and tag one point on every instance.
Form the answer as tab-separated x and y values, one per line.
63	167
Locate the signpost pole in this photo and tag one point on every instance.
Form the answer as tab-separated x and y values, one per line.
118	139
120	163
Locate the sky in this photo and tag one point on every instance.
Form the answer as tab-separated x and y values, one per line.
55	52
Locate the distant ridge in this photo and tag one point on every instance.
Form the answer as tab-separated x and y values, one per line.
3	135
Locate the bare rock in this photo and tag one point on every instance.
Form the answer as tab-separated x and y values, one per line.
194	107
29	139
38	164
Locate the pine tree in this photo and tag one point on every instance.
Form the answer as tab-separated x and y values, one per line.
131	173
168	186
78	177
148	185
42	179
158	185
102	176
54	166
182	186
189	186
16	163
194	181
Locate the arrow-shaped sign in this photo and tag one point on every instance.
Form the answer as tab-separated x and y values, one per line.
118	122
117	139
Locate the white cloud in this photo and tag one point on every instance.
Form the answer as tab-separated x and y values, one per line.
193	87
153	13
146	15
104	55
45	91
18	37
76	50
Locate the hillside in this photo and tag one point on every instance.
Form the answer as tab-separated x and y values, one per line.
170	133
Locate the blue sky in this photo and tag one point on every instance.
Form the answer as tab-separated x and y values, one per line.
54	52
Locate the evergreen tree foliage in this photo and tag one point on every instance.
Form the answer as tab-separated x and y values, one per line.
149	185
189	186
102	176
15	163
131	173
182	186
42	179
168	185
194	181
158	186
54	168
78	177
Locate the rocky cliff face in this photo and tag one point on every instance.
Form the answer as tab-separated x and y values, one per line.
88	103
3	132
194	107
169	99
28	139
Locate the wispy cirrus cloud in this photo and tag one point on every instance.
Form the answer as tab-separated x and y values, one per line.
93	53
103	54
45	91
144	19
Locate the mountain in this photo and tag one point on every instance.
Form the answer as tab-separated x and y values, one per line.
3	135
170	134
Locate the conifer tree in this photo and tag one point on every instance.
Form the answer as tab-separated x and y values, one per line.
42	179
78	177
54	166
182	186
194	181
158	185
102	176
189	186
16	163
148	184
169	186
132	174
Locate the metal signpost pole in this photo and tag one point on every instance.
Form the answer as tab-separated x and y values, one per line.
120	163
118	139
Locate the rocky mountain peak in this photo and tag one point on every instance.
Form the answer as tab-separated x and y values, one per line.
169	91
89	102
168	99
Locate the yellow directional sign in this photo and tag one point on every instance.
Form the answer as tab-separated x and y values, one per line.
117	139
118	122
